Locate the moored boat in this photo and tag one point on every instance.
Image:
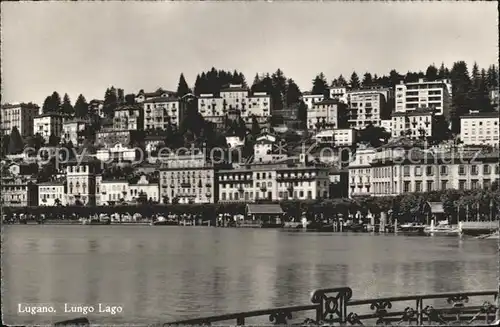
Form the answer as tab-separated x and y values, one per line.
442	229
412	228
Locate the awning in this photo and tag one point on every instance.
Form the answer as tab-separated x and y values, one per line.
436	207
264	209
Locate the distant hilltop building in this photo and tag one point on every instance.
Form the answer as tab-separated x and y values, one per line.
430	94
19	115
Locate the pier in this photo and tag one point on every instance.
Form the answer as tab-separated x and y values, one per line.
336	306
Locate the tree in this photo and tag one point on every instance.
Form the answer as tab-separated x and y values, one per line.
492	77
47	105
443	72
302	113
461	86
320	86
130	99
67	108
293	93
110	102
120	96
16	144
55	102
354	81
431	74
255	126
373	135
182	87
367	80
5	144
81	107
54	140
339	82
36	141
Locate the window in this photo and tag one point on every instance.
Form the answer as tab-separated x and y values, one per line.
461	170
430	185
486	183
461	185
429	171
486	170
473	170
406	171
444	185
474	184
418	171
418	186
444	170
406	187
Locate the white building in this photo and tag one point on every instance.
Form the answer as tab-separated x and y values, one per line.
143	96
480	129
128	117
265	150
234	141
423	94
235	98
386	124
118	153
48	124
150	191
81	180
413	124
114	191
72	131
323	114
337	137
366	107
161	111
339	93
51	194
20	116
273	181
310	99
360	172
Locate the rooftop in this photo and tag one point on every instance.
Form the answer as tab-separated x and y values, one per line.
156	93
416	112
49	114
327	101
161	99
481	115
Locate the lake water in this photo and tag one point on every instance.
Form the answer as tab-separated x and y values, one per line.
160	274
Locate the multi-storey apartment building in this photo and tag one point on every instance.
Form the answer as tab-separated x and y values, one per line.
366	107
17	192
430	94
52	194
480	129
108	137
161	111
360	172
81	180
128	117
48	124
339	93
160	93
187	178
72	130
395	172
20	116
273	181
413	124
235	98
325	114
114	191
337	137
310	99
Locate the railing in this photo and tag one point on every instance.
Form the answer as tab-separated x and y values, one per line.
334	306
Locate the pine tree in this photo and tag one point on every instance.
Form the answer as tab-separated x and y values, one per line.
475	77
47	105
431	74
442	71
55	102
130	99
182	87
16	144
367	80
120	96
492	77
110	102
292	93
81	107
341	81
67	108
255	127
320	86
243	80
461	86
354	81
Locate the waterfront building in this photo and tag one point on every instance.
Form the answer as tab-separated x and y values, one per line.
274	181
430	94
20	116
366	107
81	180
160	93
114	191
397	171
143	187
18	192
480	129
128	117
48	124
336	137
95	107
339	182
310	99
360	171
52	193
414	124
187	178
161	111
325	114
72	130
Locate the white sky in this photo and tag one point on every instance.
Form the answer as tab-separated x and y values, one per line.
84	47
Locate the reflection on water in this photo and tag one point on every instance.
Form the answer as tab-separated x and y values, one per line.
167	273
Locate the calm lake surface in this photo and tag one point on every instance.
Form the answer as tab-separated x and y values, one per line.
160	274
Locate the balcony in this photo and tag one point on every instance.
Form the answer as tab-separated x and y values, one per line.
263	188
186	185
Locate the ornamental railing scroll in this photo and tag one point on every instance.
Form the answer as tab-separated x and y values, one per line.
335	306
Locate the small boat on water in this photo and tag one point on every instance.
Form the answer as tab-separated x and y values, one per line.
412	228
162	221
442	229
